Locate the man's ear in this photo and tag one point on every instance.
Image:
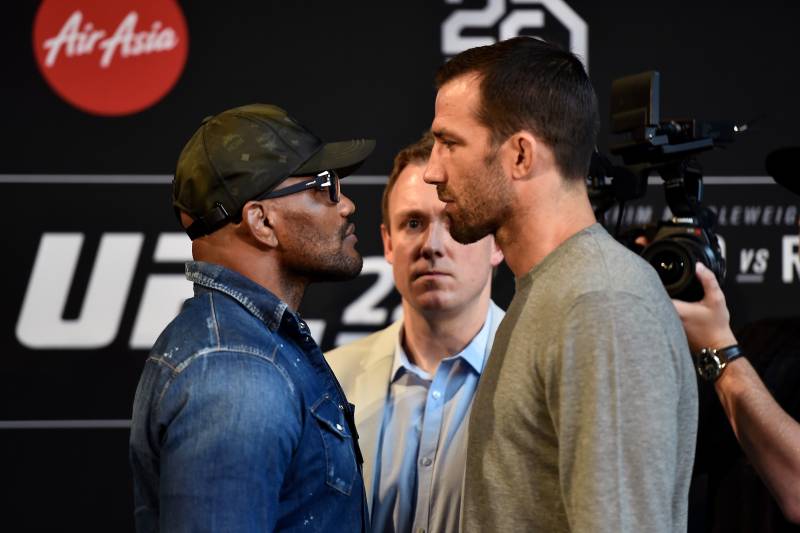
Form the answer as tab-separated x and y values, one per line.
258	220
522	150
386	237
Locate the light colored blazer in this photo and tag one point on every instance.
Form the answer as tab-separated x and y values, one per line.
363	368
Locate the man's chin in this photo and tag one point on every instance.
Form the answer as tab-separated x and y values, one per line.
432	301
462	228
351	267
344	268
466	234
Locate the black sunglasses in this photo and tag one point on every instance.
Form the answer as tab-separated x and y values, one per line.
326	179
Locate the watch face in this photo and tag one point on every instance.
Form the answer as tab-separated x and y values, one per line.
708	366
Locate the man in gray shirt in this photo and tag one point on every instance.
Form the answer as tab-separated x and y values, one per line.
586	414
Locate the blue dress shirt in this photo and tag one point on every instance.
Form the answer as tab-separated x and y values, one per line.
420	461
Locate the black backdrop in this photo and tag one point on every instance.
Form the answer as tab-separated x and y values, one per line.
89	194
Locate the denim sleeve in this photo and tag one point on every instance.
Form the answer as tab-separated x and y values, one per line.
228	425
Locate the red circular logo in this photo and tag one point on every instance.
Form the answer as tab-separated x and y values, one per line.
111	57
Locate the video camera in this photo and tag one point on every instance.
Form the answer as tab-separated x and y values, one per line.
646	144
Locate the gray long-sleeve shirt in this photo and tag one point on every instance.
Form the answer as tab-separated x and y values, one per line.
586	415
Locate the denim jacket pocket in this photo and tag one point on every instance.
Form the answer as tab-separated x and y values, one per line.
341	468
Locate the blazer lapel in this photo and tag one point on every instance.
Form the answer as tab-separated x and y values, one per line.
369	394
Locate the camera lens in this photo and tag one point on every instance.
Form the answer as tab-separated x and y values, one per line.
673	259
669	265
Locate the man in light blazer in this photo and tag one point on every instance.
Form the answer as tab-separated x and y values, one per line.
413	382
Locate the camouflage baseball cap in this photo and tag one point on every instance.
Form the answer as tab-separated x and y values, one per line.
244	152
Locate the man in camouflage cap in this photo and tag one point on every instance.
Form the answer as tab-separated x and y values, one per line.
238	423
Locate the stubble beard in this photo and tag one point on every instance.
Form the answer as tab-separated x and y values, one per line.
310	256
483	210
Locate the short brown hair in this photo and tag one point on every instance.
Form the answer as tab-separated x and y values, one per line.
416	153
527	83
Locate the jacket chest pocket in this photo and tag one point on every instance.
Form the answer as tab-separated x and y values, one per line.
340	459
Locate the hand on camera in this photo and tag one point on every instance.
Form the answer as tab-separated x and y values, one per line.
707	322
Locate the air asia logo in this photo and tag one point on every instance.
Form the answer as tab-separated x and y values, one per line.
468	28
110	58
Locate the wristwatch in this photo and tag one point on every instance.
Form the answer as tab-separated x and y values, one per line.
710	362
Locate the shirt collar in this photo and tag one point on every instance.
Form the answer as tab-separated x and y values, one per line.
474	354
256	299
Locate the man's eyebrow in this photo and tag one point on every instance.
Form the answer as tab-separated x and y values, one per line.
409	212
441	133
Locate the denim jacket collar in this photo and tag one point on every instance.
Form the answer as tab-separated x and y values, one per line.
256	299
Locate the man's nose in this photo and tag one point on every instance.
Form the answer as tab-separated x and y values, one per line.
433	173
346	205
433	246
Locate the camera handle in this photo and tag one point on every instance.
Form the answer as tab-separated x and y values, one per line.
683	187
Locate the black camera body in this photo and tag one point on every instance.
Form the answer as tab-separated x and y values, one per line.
667	148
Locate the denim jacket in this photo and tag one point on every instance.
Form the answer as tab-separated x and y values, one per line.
239	423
